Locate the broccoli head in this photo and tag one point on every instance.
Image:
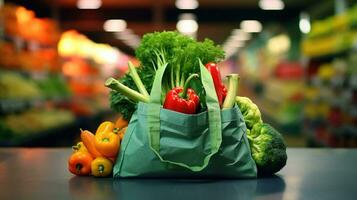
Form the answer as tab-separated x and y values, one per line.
250	111
268	148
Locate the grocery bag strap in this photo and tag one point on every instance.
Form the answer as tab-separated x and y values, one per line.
214	118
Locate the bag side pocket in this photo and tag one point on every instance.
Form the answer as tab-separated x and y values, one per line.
184	137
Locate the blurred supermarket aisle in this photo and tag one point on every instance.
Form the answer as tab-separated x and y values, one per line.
297	60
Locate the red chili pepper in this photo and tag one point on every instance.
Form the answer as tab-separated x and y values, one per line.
183	100
221	90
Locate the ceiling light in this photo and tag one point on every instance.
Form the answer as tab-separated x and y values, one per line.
187	24
114	25
251	26
304	23
186	4
271	4
89	4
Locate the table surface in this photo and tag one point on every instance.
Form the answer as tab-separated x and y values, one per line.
309	174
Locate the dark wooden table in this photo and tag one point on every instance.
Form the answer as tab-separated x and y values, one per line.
310	174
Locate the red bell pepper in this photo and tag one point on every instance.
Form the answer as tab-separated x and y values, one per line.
220	88
183	100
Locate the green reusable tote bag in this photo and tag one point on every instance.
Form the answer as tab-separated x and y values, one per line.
164	143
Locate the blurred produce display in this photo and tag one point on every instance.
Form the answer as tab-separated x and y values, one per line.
14	85
37	60
50	80
331	101
35	120
273	80
86	64
54	86
18	22
17	86
332	35
330	112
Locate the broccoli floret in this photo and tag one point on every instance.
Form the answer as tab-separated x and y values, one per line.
250	111
268	148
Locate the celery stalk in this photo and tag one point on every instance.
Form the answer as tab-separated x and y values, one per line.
137	80
126	91
229	101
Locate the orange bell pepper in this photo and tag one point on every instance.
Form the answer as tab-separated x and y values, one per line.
88	140
121	123
121	132
80	163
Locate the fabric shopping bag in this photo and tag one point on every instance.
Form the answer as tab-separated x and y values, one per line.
164	143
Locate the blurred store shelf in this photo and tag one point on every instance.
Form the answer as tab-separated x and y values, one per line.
330	118
62	135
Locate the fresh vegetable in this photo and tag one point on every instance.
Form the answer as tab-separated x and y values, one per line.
268	148
105	127
121	132
129	93
224	91
179	52
112	159
121	123
102	147
220	88
175	102
183	100
88	140
80	163
250	111
233	80
107	143
122	104
101	167
79	147
137	80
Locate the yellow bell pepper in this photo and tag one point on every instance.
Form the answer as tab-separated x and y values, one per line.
107	143
105	127
107	140
101	167
79	147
